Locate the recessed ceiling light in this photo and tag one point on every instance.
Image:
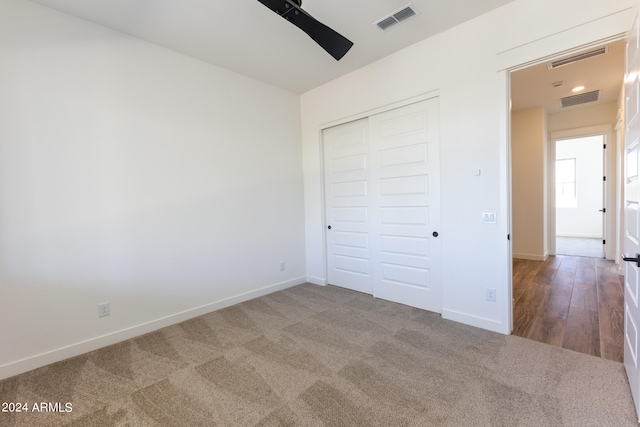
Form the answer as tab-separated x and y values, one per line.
577	89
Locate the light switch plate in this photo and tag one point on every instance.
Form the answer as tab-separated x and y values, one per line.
488	217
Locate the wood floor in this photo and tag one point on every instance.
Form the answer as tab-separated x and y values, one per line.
570	302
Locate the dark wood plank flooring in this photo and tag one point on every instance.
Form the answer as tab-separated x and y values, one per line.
570	302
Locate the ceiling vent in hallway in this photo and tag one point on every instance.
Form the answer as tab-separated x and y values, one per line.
401	15
581	98
579	57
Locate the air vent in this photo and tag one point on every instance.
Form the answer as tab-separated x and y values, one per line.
401	15
582	98
580	57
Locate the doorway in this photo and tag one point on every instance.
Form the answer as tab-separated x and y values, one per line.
580	196
562	299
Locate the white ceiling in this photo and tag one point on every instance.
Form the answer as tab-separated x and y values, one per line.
533	86
247	37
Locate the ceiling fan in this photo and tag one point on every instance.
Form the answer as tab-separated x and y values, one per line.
328	39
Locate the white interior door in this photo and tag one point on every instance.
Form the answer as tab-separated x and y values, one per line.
382	205
347	182
406	205
632	216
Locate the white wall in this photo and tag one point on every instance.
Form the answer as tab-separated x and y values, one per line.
134	175
584	219
583	117
528	178
466	67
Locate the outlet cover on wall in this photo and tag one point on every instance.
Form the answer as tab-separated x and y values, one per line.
491	295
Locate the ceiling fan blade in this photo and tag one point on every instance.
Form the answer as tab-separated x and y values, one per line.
331	41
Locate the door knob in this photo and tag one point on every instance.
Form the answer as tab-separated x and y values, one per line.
636	259
329	227
434	234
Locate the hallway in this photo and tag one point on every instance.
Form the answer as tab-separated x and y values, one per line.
570	302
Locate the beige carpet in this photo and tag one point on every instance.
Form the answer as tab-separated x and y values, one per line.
313	356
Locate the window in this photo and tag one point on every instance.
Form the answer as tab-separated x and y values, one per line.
566	183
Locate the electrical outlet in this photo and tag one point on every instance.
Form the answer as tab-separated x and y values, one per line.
491	295
104	309
282	266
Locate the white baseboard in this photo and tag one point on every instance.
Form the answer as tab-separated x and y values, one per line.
532	257
43	359
317	280
478	322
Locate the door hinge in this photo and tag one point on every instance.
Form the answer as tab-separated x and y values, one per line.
508	236
604	146
604	242
604	178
